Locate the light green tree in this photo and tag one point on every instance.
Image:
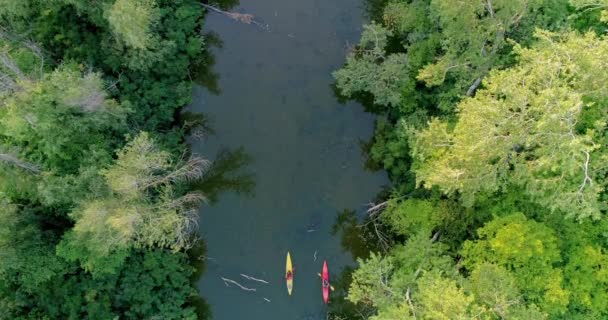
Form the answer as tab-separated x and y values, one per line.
132	21
522	130
527	249
142	208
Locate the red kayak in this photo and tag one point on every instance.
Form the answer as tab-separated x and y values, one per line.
325	282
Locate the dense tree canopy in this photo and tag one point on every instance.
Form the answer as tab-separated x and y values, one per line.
493	133
96	215
523	128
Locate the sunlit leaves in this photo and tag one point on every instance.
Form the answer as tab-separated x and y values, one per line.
521	130
141	208
64	98
132	20
527	249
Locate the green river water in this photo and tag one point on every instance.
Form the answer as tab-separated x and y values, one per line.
274	100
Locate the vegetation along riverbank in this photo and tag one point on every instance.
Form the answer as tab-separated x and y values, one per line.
492	127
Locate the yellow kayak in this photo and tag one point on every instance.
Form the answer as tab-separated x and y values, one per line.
289	269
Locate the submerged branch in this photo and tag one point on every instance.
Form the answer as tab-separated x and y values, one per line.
227	281
253	279
245	18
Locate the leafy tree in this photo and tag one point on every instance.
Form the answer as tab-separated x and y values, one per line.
73	74
65	98
528	136
26	248
152	283
601	5
527	249
141	209
132	20
383	80
433	48
384	281
521	130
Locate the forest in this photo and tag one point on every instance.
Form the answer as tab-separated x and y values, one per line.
98	216
491	123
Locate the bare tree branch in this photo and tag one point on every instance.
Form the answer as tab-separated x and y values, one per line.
473	87
586	179
9	158
489	8
9	64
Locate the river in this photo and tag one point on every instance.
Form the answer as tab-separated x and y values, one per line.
276	102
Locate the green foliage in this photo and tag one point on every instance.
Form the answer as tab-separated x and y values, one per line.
529	250
384	281
26	249
491	116
440	298
443	45
132	20
521	129
152	80
390	149
64	98
152	284
383	80
588	279
140	209
85	232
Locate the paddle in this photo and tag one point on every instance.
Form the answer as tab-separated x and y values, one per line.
330	286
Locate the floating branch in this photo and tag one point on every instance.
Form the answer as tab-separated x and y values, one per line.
375	208
240	17
227	281
253	279
266	299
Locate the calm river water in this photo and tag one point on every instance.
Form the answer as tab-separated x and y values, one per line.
276	102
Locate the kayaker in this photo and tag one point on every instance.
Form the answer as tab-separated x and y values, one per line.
325	283
289	275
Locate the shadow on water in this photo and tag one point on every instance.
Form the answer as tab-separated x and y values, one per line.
354	237
358	238
203	72
340	308
226	171
226	174
374	9
197	259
